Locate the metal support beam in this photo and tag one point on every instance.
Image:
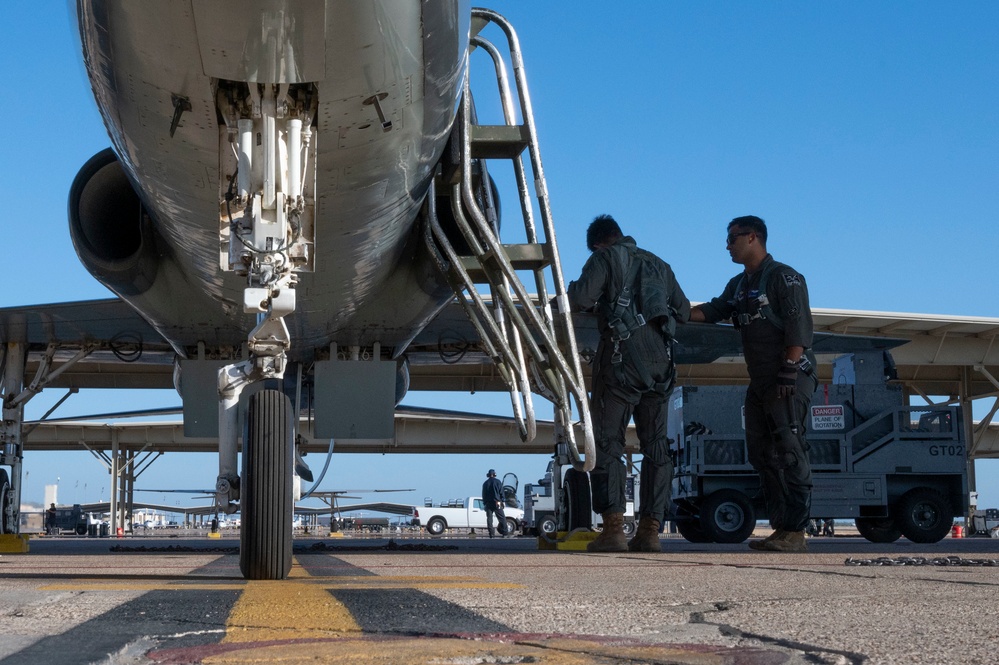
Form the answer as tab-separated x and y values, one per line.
969	432
11	435
115	461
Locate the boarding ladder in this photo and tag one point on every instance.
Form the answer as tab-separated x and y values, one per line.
524	335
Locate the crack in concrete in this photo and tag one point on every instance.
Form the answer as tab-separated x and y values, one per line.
813	653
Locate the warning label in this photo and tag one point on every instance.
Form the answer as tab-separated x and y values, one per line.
828	417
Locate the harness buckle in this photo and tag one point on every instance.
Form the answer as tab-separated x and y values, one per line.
616	355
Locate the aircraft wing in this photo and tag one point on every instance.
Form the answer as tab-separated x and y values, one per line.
446	355
81	321
378	507
124	350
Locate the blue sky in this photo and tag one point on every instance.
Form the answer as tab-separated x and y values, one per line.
866	134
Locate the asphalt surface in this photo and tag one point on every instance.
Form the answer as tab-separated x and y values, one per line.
474	600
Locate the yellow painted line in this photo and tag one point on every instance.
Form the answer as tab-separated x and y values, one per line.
298	577
429	585
400	578
286	609
325	583
111	585
11	543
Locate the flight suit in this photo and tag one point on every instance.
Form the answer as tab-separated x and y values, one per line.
631	381
775	426
492	501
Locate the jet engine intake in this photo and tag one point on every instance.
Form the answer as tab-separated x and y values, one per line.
109	226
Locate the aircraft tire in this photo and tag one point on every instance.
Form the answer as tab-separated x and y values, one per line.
878	529
727	516
5	526
578	502
266	502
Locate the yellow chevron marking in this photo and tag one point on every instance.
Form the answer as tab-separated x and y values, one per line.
286	609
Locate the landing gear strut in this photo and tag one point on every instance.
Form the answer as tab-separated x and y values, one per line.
267	226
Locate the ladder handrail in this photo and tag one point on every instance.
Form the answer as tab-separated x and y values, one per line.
489	332
561	376
544	328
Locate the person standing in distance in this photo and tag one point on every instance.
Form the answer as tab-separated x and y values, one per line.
638	302
492	499
768	303
50	521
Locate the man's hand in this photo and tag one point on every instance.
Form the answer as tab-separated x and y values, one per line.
787	377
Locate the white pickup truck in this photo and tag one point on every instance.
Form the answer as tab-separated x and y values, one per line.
469	513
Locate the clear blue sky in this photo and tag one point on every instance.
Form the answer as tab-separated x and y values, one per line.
866	134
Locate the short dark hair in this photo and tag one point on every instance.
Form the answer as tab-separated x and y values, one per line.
602	229
754	224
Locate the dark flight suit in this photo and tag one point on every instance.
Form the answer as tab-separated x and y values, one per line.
614	395
492	500
775	426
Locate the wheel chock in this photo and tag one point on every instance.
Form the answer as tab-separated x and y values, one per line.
566	541
14	543
336	534
215	534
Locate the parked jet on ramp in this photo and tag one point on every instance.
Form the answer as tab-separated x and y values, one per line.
295	211
294	191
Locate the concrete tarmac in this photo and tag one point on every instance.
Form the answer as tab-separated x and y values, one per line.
467	601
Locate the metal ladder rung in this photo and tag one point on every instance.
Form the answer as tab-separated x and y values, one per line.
499	141
527	256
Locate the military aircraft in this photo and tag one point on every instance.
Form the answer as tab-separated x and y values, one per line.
298	218
293	193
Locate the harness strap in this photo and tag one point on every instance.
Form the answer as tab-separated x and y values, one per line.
622	319
764	309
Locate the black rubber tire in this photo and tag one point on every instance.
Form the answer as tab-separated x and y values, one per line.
511	526
5	525
436	526
923	515
629	528
266	502
878	529
579	506
691	530
81	529
727	516
547	525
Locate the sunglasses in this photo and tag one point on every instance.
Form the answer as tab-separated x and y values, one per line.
730	238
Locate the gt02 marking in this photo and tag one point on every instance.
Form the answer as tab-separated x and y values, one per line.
947	451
